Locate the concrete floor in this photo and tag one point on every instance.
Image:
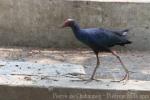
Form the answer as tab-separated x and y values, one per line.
110	68
137	1
32	74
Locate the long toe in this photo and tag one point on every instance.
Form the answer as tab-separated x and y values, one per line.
80	79
125	78
92	79
86	80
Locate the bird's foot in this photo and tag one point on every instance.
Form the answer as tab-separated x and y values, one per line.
124	79
132	72
92	79
87	80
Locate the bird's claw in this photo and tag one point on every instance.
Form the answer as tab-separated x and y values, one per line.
87	80
125	78
92	79
132	72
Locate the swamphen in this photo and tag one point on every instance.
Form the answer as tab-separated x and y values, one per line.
100	40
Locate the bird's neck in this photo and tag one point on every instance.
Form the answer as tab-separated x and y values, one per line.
75	28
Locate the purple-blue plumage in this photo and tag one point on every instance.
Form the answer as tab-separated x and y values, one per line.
99	39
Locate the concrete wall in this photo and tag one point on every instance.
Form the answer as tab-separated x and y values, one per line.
35	22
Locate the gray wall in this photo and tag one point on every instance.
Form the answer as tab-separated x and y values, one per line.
35	22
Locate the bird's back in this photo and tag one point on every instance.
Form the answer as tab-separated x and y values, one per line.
101	39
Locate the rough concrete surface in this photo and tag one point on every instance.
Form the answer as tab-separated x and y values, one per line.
132	1
137	62
35	22
22	84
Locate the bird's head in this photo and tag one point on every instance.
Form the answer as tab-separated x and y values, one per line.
68	23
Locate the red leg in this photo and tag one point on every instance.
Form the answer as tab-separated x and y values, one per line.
97	65
126	77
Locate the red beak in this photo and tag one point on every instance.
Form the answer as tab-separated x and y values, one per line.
63	25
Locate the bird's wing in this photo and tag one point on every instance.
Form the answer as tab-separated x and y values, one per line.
105	38
99	37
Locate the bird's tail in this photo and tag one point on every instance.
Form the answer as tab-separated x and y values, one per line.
128	42
125	42
124	32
